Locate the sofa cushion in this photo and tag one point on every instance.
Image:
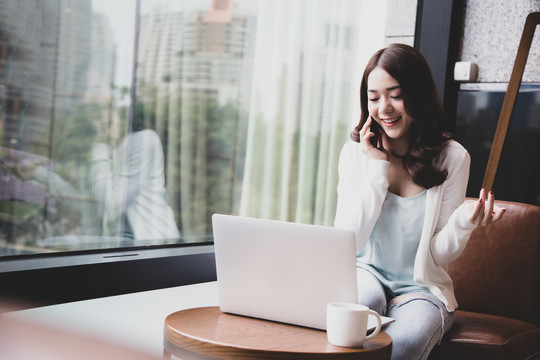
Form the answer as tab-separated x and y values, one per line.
482	336
499	270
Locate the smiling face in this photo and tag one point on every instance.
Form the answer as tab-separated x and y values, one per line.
385	105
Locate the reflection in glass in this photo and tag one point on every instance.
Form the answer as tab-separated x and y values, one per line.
129	185
127	123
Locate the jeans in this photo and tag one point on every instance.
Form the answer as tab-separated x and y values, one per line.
420	321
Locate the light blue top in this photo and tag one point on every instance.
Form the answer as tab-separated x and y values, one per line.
391	249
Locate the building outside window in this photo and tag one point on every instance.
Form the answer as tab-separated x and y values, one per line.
129	123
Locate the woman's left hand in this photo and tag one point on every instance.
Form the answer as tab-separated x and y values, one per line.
484	212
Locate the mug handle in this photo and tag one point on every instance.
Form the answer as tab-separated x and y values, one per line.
379	324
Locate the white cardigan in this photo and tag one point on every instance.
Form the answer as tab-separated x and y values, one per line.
363	183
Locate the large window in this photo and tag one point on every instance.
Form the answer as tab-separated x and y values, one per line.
129	123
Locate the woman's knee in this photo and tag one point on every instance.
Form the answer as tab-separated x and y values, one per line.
420	323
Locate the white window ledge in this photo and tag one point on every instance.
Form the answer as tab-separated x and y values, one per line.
132	320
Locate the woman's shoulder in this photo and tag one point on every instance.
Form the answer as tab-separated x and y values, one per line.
348	147
351	151
454	148
453	152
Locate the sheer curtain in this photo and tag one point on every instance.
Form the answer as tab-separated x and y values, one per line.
253	101
194	73
308	62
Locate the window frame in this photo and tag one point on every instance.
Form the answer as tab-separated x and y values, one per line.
31	280
437	36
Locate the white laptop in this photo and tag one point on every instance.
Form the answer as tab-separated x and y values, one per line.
282	271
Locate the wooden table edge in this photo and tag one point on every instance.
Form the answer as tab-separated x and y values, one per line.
381	344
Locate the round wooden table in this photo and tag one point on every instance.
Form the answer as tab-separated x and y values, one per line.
207	332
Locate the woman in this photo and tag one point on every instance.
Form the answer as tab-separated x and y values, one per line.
402	183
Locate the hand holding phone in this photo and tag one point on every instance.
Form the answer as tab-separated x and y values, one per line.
375	128
371	140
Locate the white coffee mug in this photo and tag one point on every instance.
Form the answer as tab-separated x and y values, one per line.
346	324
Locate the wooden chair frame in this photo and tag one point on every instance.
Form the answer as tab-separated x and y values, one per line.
533	19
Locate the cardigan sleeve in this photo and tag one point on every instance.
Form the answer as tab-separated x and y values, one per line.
362	187
453	230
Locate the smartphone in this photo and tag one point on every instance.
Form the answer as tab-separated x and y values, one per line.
376	129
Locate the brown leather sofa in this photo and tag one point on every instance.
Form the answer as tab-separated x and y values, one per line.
497	285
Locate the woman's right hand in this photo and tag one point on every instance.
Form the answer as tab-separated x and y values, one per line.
377	153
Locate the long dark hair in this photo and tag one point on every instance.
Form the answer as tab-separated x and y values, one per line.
421	101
